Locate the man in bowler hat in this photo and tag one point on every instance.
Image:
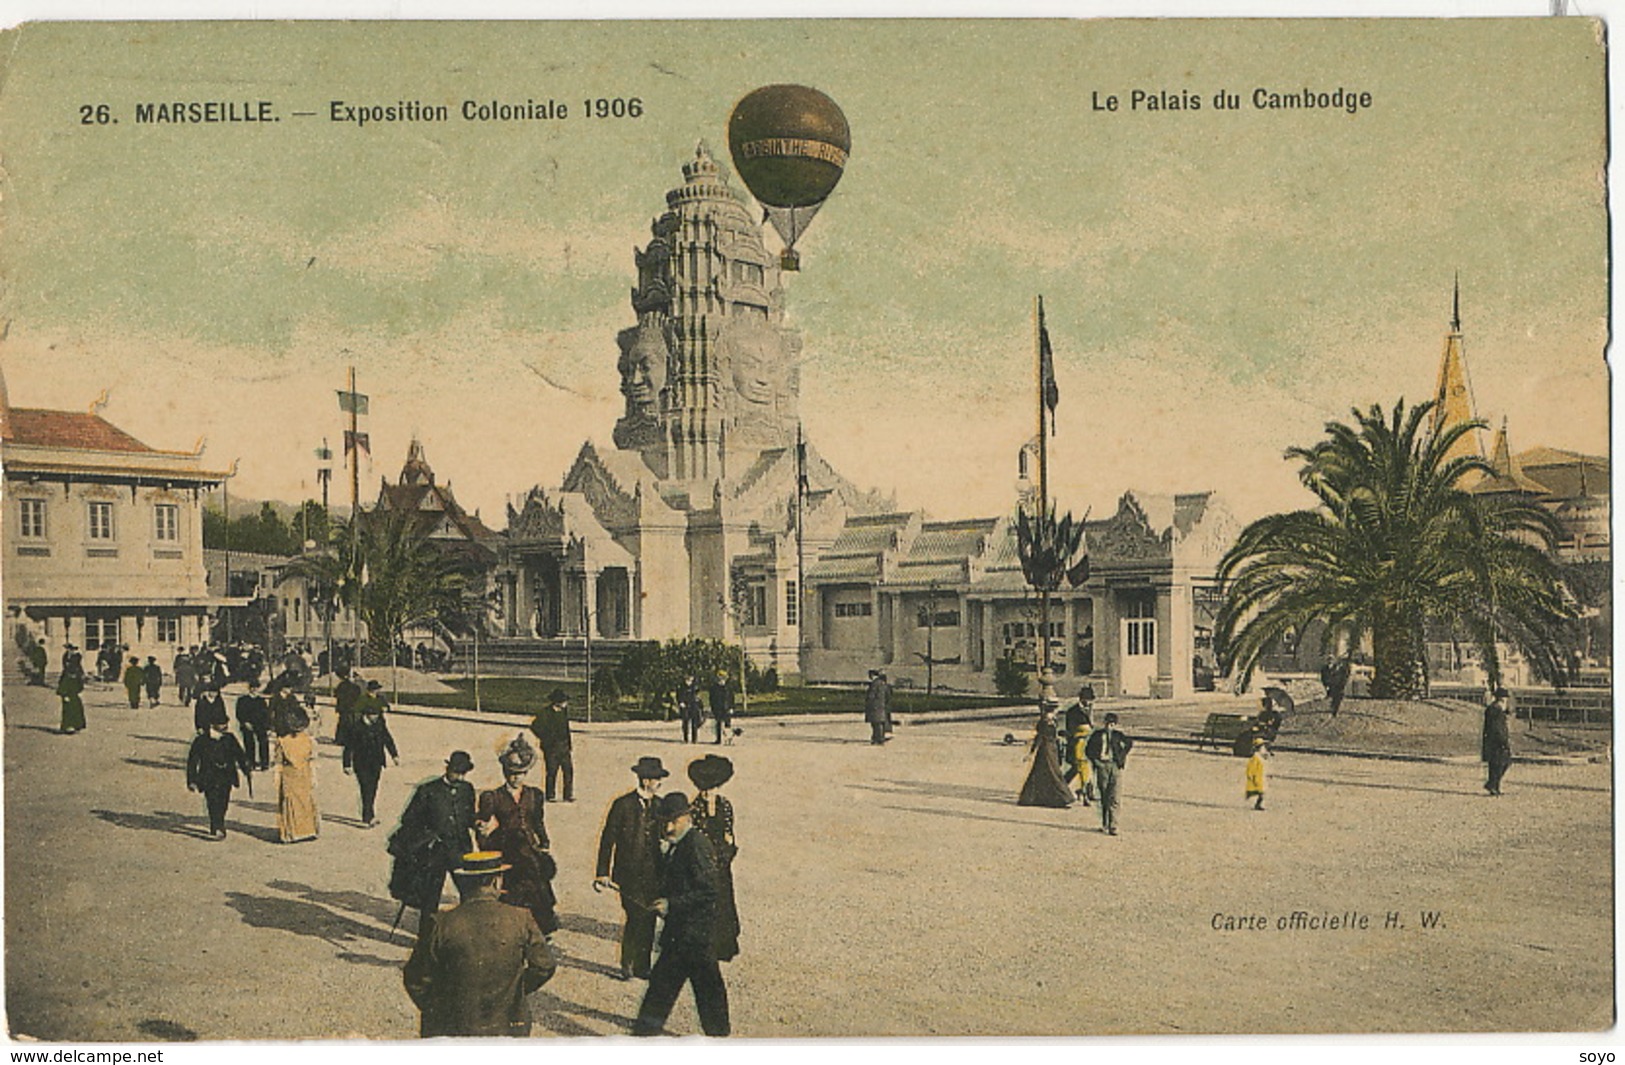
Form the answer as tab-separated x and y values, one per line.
436	830
689	890
628	855
551	728
470	974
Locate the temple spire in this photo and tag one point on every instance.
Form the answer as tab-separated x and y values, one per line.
1453	397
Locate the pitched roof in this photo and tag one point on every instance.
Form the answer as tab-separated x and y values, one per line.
70	429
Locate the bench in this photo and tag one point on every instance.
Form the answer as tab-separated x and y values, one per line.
1222	730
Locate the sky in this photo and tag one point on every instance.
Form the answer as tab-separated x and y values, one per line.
1218	285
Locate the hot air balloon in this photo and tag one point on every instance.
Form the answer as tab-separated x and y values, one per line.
789	144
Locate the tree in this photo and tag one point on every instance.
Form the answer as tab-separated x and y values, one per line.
390	572
404	577
1394	542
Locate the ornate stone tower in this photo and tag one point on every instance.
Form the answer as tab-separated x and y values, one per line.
709	372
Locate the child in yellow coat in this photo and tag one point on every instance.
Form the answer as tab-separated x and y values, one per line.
1255	772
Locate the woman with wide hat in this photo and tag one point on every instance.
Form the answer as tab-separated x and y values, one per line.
714	815
509	819
1044	785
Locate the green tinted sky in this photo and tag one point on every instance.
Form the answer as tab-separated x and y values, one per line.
1218	284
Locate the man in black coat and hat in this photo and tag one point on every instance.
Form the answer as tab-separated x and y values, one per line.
551	728
436	830
1496	745
212	765
689	891
628	855
254	722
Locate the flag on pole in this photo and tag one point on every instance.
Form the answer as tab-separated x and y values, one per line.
356	440
1046	367
352	403
324	453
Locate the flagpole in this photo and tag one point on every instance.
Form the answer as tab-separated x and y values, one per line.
1043	487
355	519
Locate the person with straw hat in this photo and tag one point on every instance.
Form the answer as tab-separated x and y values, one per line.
510	820
470	973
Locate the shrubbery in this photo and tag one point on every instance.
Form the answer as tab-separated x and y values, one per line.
654	671
1009	678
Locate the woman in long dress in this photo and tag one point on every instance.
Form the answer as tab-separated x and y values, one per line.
296	816
714	815
511	819
1045	786
73	707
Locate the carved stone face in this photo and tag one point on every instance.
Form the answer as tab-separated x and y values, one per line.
643	368
757	363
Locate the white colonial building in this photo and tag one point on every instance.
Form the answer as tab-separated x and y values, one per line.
103	536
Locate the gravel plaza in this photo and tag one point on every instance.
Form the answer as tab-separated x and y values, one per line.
894	891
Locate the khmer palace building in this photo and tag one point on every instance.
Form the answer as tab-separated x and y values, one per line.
709	515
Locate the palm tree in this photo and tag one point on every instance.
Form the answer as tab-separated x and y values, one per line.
1395	543
389	571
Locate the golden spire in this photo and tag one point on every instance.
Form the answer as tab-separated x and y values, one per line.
1453	398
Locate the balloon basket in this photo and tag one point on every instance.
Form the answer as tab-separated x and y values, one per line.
789	259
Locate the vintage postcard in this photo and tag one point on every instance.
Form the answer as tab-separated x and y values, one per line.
795	529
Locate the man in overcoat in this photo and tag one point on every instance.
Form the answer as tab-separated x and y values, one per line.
469	975
212	766
551	728
628	856
877	707
1497	741
254	722
154	677
185	676
135	679
36	663
721	697
366	743
689	891
436	830
1107	751
345	697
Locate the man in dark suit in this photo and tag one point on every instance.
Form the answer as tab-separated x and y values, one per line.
345	697
1107	751
551	728
877	707
212	766
1496	745
722	704
366	743
436	830
470	974
254	722
689	890
628	856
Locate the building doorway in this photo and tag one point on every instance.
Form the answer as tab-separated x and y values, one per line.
1138	643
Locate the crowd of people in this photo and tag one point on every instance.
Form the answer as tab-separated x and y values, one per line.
667	857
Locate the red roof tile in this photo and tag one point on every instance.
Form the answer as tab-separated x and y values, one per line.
69	429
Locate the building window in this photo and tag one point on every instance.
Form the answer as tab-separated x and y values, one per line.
33	514
169	630
101	520
792	606
296	607
943	619
854	610
755	605
166	522
100	631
